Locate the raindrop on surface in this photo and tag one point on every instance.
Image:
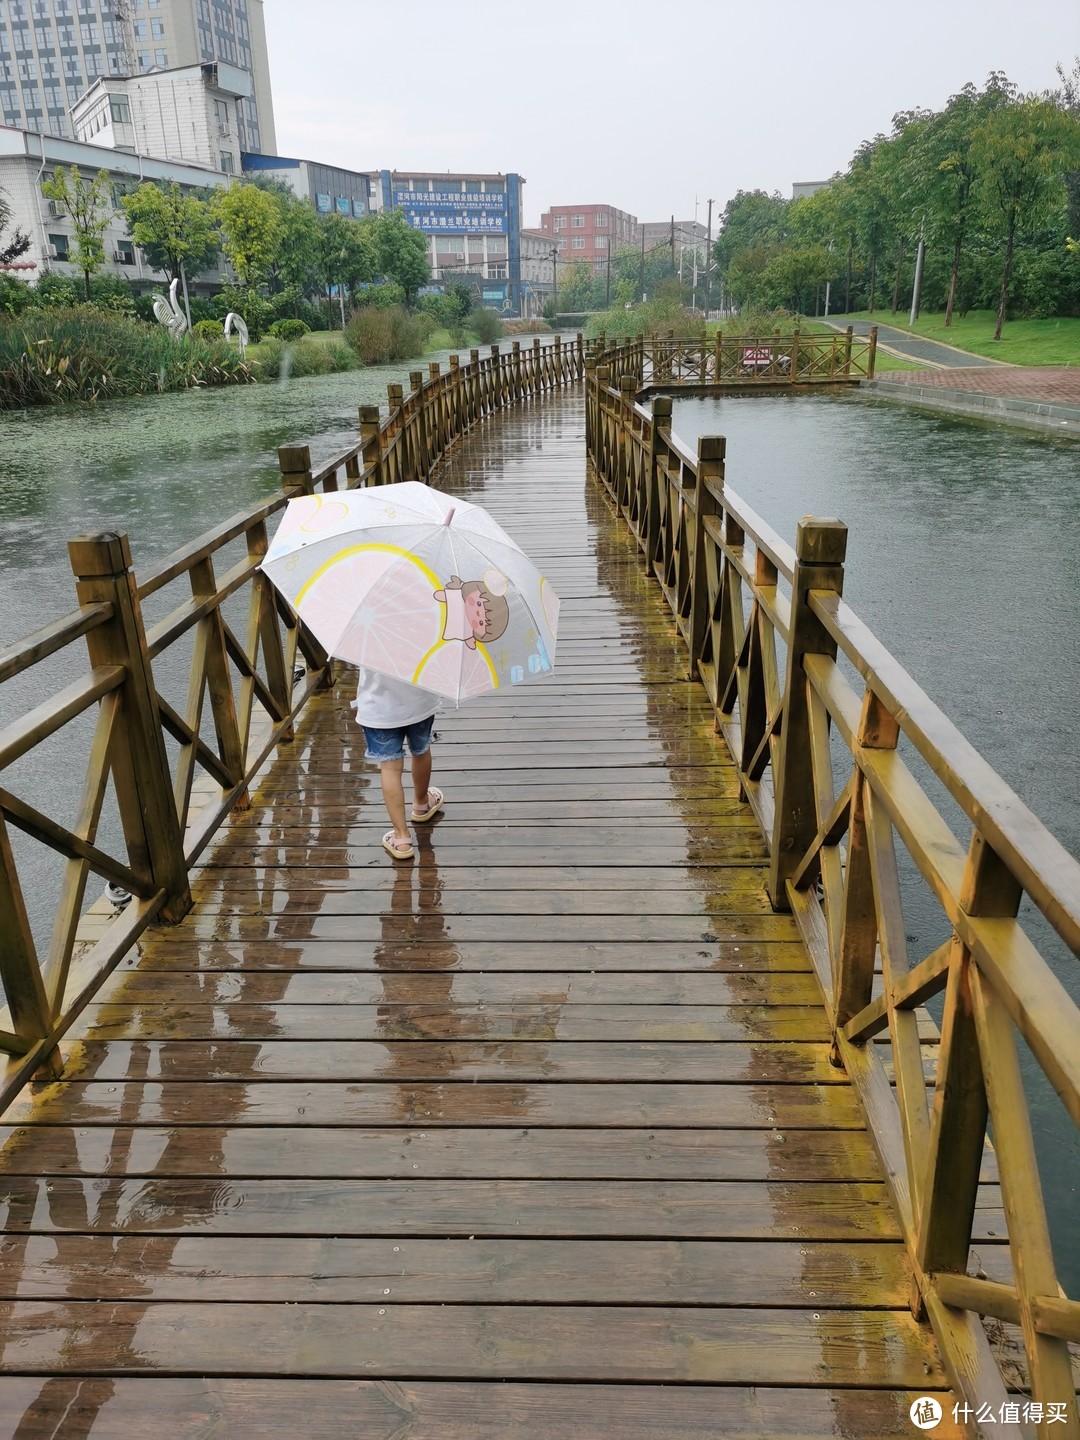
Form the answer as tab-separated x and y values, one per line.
386	1292
382	1312
396	1249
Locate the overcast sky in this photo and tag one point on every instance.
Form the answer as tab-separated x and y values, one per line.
643	104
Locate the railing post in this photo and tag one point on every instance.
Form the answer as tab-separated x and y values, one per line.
294	462
820	547
397	460
580	354
458	426
20	971
558	361
871	357
709	479
371	440
516	351
718	348
476	387
627	392
848	333
658	438
436	430
421	441
144	788
793	362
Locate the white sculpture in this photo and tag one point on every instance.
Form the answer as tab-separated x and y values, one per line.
235	322
169	313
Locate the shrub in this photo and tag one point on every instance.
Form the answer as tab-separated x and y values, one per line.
50	356
16	295
112	292
56	289
256	311
278	360
289	329
208	330
381	335
485	325
385	296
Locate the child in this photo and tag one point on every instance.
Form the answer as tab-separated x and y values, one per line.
392	715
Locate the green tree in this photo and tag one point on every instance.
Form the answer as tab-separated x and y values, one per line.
399	252
344	256
1022	152
174	230
89	205
17	243
249	221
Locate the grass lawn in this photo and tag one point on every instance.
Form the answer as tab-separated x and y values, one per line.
1023	342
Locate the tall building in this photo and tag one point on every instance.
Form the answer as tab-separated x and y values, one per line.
52	51
589	232
472	223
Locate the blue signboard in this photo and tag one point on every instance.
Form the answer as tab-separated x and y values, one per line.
343	205
472	213
322	204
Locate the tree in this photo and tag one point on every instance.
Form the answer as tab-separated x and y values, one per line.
1023	152
89	205
18	243
249	220
400	252
174	230
345	256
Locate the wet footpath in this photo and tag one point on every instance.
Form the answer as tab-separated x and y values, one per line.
534	1136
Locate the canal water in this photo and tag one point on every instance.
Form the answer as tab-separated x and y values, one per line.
962	559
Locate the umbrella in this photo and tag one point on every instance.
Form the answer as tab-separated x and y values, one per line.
418	585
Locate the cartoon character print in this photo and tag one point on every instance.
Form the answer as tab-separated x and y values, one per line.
475	609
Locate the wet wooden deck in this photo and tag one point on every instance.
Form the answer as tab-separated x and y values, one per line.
537	1136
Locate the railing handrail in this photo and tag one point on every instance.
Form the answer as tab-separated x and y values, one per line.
719	567
247	679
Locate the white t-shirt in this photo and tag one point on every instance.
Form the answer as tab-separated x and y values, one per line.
385	703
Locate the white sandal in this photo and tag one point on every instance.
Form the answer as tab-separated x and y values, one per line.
395	848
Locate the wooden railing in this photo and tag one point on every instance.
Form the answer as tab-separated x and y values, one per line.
670	362
796	680
173	772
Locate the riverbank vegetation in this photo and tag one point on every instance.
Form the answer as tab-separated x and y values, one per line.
50	357
990	185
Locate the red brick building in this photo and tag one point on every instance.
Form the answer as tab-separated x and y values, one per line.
589	232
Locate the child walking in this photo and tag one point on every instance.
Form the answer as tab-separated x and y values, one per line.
395	715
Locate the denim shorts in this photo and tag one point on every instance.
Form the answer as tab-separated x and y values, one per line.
390	744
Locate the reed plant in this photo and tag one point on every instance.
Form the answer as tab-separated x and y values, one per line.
381	335
279	359
54	356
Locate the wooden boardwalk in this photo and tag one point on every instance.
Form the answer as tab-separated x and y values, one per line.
537	1136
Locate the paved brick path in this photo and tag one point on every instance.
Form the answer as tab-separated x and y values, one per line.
1058	384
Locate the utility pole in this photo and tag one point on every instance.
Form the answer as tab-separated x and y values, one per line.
708	263
917	288
673	244
555	277
607	282
641	267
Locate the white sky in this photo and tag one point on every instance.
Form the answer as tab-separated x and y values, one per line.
643	104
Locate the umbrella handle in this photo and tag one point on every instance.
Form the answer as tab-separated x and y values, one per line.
449	515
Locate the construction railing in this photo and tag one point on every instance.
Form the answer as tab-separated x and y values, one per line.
857	780
169	772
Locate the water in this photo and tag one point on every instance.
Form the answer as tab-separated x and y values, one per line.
962	559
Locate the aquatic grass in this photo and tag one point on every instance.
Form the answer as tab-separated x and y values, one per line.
51	357
277	360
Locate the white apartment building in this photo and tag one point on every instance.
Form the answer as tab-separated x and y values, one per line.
26	159
190	115
52	51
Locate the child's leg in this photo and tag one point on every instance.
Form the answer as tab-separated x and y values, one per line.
393	791
421	775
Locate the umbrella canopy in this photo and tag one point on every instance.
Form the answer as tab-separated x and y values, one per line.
418	585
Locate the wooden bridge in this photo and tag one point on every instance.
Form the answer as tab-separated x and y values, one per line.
614	1114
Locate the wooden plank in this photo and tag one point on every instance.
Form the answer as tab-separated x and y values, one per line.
401	1271
726	1347
802	1107
460	1061
511	928
358	1152
242	1409
448	1020
420	987
169	950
